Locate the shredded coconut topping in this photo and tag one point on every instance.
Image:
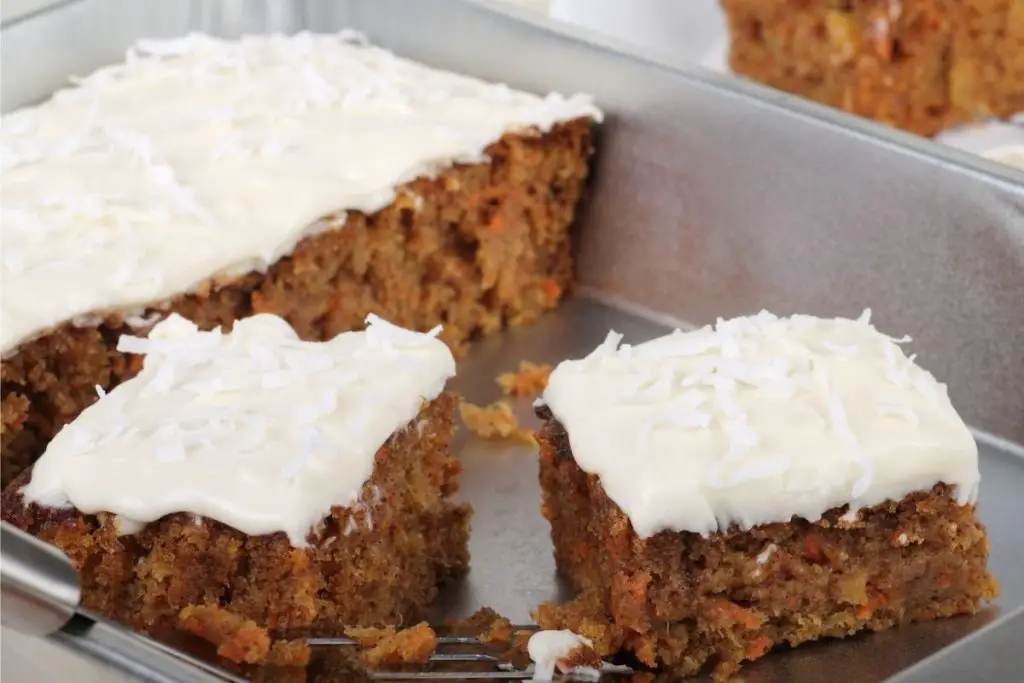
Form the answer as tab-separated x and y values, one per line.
256	429
202	158
757	419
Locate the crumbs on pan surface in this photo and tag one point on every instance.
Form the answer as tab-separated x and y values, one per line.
527	382
486	625
413	645
240	640
497	633
494	421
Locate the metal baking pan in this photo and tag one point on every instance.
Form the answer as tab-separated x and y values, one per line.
711	197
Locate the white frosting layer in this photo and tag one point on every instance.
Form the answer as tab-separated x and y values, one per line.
255	429
759	419
201	158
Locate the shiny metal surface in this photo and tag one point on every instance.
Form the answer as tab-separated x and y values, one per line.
39	585
129	656
711	197
31	659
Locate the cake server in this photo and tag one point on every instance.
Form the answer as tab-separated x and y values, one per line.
41	597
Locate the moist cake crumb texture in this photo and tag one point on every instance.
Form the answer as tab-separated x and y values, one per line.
716	493
312	176
291	484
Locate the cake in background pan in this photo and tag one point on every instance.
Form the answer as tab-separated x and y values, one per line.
919	65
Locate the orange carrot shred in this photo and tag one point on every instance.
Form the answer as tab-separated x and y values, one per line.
552	289
759	647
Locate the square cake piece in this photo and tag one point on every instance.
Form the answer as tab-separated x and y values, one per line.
296	484
315	177
919	65
716	493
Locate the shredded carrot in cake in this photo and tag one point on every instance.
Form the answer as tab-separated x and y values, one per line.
734	614
495	421
552	290
527	382
758	648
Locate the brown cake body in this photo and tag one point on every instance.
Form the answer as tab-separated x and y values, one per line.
919	65
687	602
476	248
377	563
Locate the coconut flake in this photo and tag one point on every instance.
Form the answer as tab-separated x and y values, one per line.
899	410
606	348
765	555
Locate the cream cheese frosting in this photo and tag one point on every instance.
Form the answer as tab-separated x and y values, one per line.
547	649
201	158
256	428
759	419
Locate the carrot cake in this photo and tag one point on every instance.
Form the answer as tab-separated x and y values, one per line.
920	65
315	177
764	481
294	484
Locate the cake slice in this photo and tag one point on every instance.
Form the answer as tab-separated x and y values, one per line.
919	65
315	177
716	493
291	483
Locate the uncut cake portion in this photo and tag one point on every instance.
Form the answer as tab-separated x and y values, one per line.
919	65
291	483
713	494
315	177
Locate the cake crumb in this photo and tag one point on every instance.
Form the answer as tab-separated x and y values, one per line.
497	633
413	645
527	382
240	640
289	653
370	636
475	624
580	615
495	421
486	625
500	632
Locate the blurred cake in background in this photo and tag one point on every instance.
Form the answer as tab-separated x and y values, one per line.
919	65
